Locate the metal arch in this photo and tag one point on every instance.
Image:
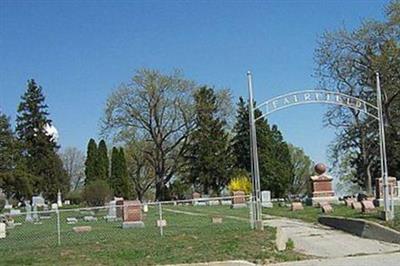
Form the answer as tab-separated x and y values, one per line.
323	92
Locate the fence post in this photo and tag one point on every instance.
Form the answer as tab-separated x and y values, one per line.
58	227
251	212
160	222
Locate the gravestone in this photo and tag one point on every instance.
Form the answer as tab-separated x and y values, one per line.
161	223
195	196
28	210
321	186
38	201
67	202
35	215
71	220
379	187
217	220
238	200
146	207
7	206
59	199
2	230
54	206
393	191
398	188
356	205
132	214
226	202
266	199
296	206
348	202
90	219
15	212
119	202
112	211
326	208
82	229
46	214
367	206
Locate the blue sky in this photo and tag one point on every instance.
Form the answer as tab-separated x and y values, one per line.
79	51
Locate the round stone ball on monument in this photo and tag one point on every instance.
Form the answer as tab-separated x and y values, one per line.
320	168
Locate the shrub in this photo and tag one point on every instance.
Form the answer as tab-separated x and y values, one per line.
75	197
96	193
240	182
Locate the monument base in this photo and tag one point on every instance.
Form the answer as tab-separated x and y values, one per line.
267	204
128	225
317	200
239	205
379	202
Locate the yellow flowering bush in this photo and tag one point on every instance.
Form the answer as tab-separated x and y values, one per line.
240	183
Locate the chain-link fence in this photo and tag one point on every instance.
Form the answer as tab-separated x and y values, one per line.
142	222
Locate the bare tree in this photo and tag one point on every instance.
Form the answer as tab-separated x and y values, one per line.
140	170
157	109
74	163
347	62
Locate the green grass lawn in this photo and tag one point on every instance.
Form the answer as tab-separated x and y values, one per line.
311	214
186	239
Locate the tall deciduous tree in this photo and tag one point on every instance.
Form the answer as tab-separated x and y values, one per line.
347	62
140	170
210	159
91	162
38	147
158	109
302	170
74	163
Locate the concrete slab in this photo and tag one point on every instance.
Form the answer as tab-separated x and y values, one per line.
322	241
364	260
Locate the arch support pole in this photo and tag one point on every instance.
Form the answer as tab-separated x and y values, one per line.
255	174
382	148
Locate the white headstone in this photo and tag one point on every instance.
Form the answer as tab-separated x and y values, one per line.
38	201
71	220
266	199
59	200
14	212
7	206
112	210
54	206
2	230
398	189
145	207
35	215
67	202
28	210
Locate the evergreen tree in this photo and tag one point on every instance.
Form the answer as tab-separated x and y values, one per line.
126	188
39	148
91	162
210	160
15	182
7	144
119	181
103	163
275	167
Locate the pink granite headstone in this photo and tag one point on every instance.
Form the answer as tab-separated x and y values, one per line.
296	206
367	206
327	208
356	205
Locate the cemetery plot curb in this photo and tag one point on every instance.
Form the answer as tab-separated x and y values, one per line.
362	228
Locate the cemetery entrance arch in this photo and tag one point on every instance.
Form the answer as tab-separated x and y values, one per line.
309	97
